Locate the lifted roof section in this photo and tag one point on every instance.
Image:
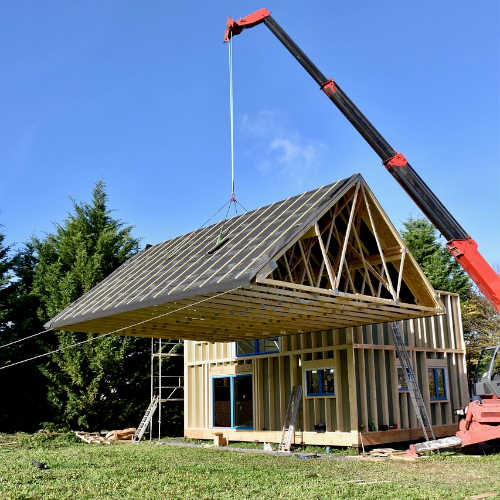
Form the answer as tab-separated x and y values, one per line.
328	258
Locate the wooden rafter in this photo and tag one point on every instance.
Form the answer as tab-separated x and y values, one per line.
346	238
374	229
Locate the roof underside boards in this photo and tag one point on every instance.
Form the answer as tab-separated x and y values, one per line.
328	258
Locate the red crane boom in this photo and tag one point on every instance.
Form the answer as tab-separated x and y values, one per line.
461	246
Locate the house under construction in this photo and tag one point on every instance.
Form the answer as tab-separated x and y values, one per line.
296	293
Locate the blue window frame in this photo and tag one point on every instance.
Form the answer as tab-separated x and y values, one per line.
320	382
257	346
437	384
232	401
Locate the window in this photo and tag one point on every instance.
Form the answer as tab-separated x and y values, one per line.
320	382
402	386
437	384
484	364
232	401
255	347
495	368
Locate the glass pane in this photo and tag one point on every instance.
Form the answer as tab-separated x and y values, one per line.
328	381
243	408
312	380
269	345
245	347
440	383
495	371
401	379
222	402
483	365
432	383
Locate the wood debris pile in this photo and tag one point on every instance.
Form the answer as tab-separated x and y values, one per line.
386	453
106	438
124	435
92	437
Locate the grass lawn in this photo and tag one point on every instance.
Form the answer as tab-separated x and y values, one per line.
126	471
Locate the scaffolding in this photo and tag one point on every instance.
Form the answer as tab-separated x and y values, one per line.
167	388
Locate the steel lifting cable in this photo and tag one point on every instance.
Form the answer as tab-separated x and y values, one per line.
187	238
231	112
115	332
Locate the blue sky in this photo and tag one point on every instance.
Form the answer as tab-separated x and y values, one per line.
138	93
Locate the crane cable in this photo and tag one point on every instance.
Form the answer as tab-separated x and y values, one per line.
231	112
182	243
115	332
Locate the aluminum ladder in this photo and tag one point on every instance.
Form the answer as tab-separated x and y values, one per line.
411	382
290	417
146	420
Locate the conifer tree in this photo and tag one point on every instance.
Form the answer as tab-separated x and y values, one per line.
23	388
442	270
5	275
102	383
481	322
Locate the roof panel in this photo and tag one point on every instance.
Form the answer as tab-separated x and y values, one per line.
192	273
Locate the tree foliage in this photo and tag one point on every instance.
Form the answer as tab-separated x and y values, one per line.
91	386
5	277
23	387
481	325
442	270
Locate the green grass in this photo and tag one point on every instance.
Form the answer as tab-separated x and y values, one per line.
80	471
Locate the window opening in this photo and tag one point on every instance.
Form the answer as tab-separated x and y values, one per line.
242	402
233	401
437	384
495	369
222	402
484	363
402	386
320	382
257	346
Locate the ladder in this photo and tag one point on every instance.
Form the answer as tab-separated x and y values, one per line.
145	420
290	417
411	381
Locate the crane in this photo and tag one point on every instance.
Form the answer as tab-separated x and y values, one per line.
459	243
481	420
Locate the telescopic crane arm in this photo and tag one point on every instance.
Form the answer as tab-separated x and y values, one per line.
459	243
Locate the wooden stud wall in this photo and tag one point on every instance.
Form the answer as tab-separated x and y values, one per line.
366	385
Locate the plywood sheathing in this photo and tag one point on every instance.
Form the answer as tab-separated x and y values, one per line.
328	258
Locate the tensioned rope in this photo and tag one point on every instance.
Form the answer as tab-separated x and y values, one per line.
185	240
178	247
26	338
119	329
231	114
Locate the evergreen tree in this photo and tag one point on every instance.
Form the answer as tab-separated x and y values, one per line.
442	270
103	383
481	322
5	276
23	388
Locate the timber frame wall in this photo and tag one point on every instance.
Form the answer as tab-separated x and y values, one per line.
366	383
